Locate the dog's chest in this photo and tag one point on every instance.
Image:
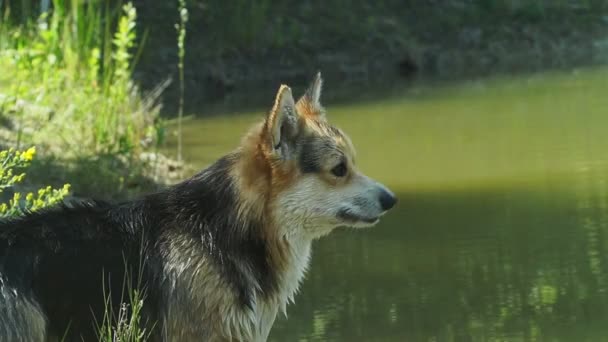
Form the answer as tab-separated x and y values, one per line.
299	260
290	282
200	300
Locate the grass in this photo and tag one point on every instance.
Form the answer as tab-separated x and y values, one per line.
127	327
67	88
62	72
125	323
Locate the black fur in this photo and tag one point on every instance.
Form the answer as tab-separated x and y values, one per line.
204	207
313	150
62	257
310	158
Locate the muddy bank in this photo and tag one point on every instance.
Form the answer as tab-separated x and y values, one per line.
238	46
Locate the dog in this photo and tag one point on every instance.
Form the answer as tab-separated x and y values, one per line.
216	256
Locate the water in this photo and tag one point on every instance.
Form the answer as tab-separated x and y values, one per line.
501	233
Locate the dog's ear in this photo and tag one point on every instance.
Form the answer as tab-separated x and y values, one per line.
282	122
310	102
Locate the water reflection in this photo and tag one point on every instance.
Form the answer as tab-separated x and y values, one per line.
515	264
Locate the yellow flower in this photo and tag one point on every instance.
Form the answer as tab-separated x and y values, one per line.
29	154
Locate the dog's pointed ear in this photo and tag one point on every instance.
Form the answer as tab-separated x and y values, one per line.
311	100
282	122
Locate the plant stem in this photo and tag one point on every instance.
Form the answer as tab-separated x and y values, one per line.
181	36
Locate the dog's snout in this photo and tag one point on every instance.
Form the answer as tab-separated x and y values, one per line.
387	199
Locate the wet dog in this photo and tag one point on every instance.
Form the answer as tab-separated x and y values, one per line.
217	255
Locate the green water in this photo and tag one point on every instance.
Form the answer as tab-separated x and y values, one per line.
501	233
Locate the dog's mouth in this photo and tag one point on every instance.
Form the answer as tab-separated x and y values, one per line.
351	218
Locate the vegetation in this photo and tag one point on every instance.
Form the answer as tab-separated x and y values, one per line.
127	326
237	42
12	163
67	88
181	48
80	84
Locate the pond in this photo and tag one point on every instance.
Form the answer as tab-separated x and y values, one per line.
501	232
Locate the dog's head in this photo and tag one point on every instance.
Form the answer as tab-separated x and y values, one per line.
315	185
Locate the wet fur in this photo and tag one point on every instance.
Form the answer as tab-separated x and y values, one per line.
218	256
201	262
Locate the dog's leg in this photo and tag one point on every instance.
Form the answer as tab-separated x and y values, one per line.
21	318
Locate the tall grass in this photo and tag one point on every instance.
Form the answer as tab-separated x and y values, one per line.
67	84
66	87
125	324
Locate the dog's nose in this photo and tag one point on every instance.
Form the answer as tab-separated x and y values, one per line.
387	199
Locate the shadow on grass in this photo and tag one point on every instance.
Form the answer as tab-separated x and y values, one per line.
106	177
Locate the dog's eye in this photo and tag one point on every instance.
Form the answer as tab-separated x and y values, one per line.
339	170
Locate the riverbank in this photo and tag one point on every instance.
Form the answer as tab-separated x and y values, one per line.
238	46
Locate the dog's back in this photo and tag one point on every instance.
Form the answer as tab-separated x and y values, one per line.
57	268
61	268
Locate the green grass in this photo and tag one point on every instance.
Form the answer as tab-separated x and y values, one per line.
67	88
68	84
125	324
